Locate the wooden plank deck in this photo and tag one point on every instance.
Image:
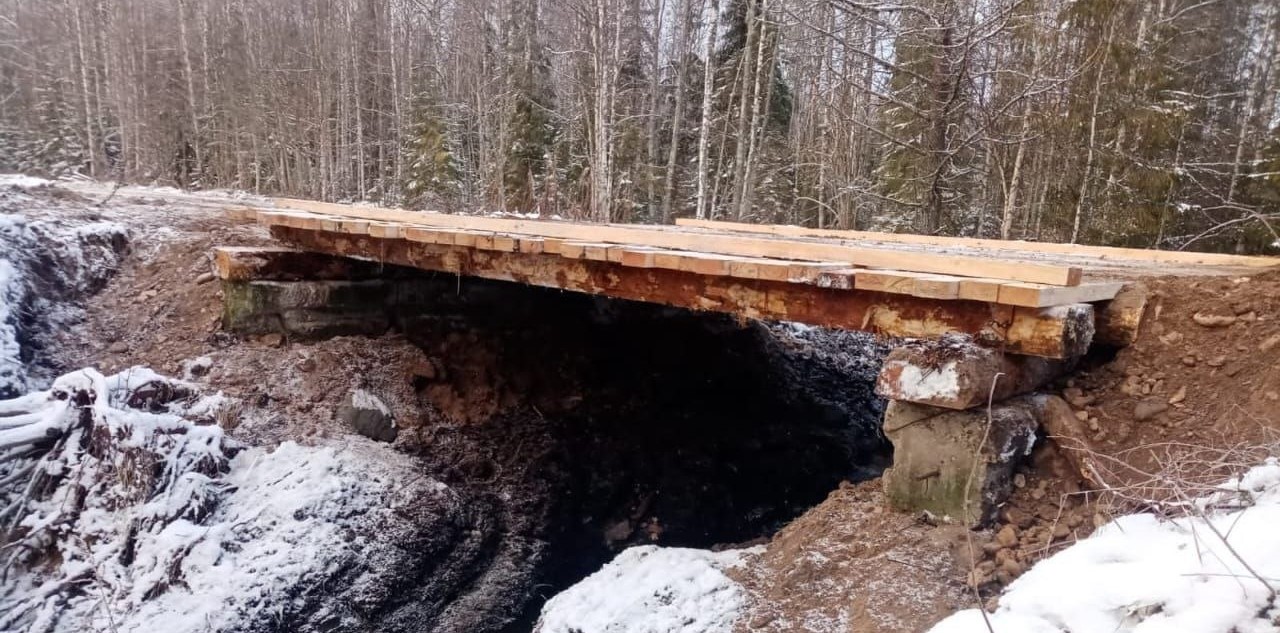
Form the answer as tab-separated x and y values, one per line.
1030	302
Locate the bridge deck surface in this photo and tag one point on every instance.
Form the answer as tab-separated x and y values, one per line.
898	284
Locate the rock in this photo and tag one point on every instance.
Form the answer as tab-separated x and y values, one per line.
1189	361
1061	531
204	278
1270	343
368	416
1011	566
1149	408
1019	481
1076	397
307	364
1015	517
1217	361
271	340
1179	395
118	347
1213	320
1008	536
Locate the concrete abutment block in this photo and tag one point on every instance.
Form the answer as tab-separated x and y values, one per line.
958	464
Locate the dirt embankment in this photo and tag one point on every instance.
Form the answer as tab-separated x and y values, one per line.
1193	401
571	426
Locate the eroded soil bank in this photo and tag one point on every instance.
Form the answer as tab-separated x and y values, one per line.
569	426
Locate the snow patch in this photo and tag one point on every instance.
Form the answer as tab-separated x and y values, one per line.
650	588
362	399
22	181
918	384
139	519
1209	572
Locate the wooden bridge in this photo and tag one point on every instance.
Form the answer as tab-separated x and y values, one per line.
1030	309
1049	300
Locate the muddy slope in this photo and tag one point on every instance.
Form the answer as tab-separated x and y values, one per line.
570	427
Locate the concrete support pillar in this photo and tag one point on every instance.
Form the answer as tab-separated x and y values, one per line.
310	295
960	421
957	464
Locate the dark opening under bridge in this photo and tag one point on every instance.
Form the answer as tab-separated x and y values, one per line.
962	409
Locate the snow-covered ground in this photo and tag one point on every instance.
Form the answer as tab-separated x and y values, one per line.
649	589
1214	571
131	511
43	263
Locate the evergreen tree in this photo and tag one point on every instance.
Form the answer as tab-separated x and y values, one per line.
432	170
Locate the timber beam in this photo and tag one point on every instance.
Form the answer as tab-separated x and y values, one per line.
1057	332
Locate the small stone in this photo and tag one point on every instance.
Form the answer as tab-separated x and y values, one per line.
1082	415
1007	536
1076	397
1217	361
1016	517
1093	425
1270	343
204	278
1189	361
118	347
1061	531
273	339
1149	408
307	364
1019	481
1213	320
1011	566
1179	395
368	416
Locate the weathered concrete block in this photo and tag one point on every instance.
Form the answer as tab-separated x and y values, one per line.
957	463
307	309
955	373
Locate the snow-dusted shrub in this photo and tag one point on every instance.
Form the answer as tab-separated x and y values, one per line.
94	472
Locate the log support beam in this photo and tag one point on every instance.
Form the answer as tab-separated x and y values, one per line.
1058	332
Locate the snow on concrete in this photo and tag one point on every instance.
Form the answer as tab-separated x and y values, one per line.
647	589
921	385
1212	571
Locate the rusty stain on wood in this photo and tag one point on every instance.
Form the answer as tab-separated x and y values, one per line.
1054	333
